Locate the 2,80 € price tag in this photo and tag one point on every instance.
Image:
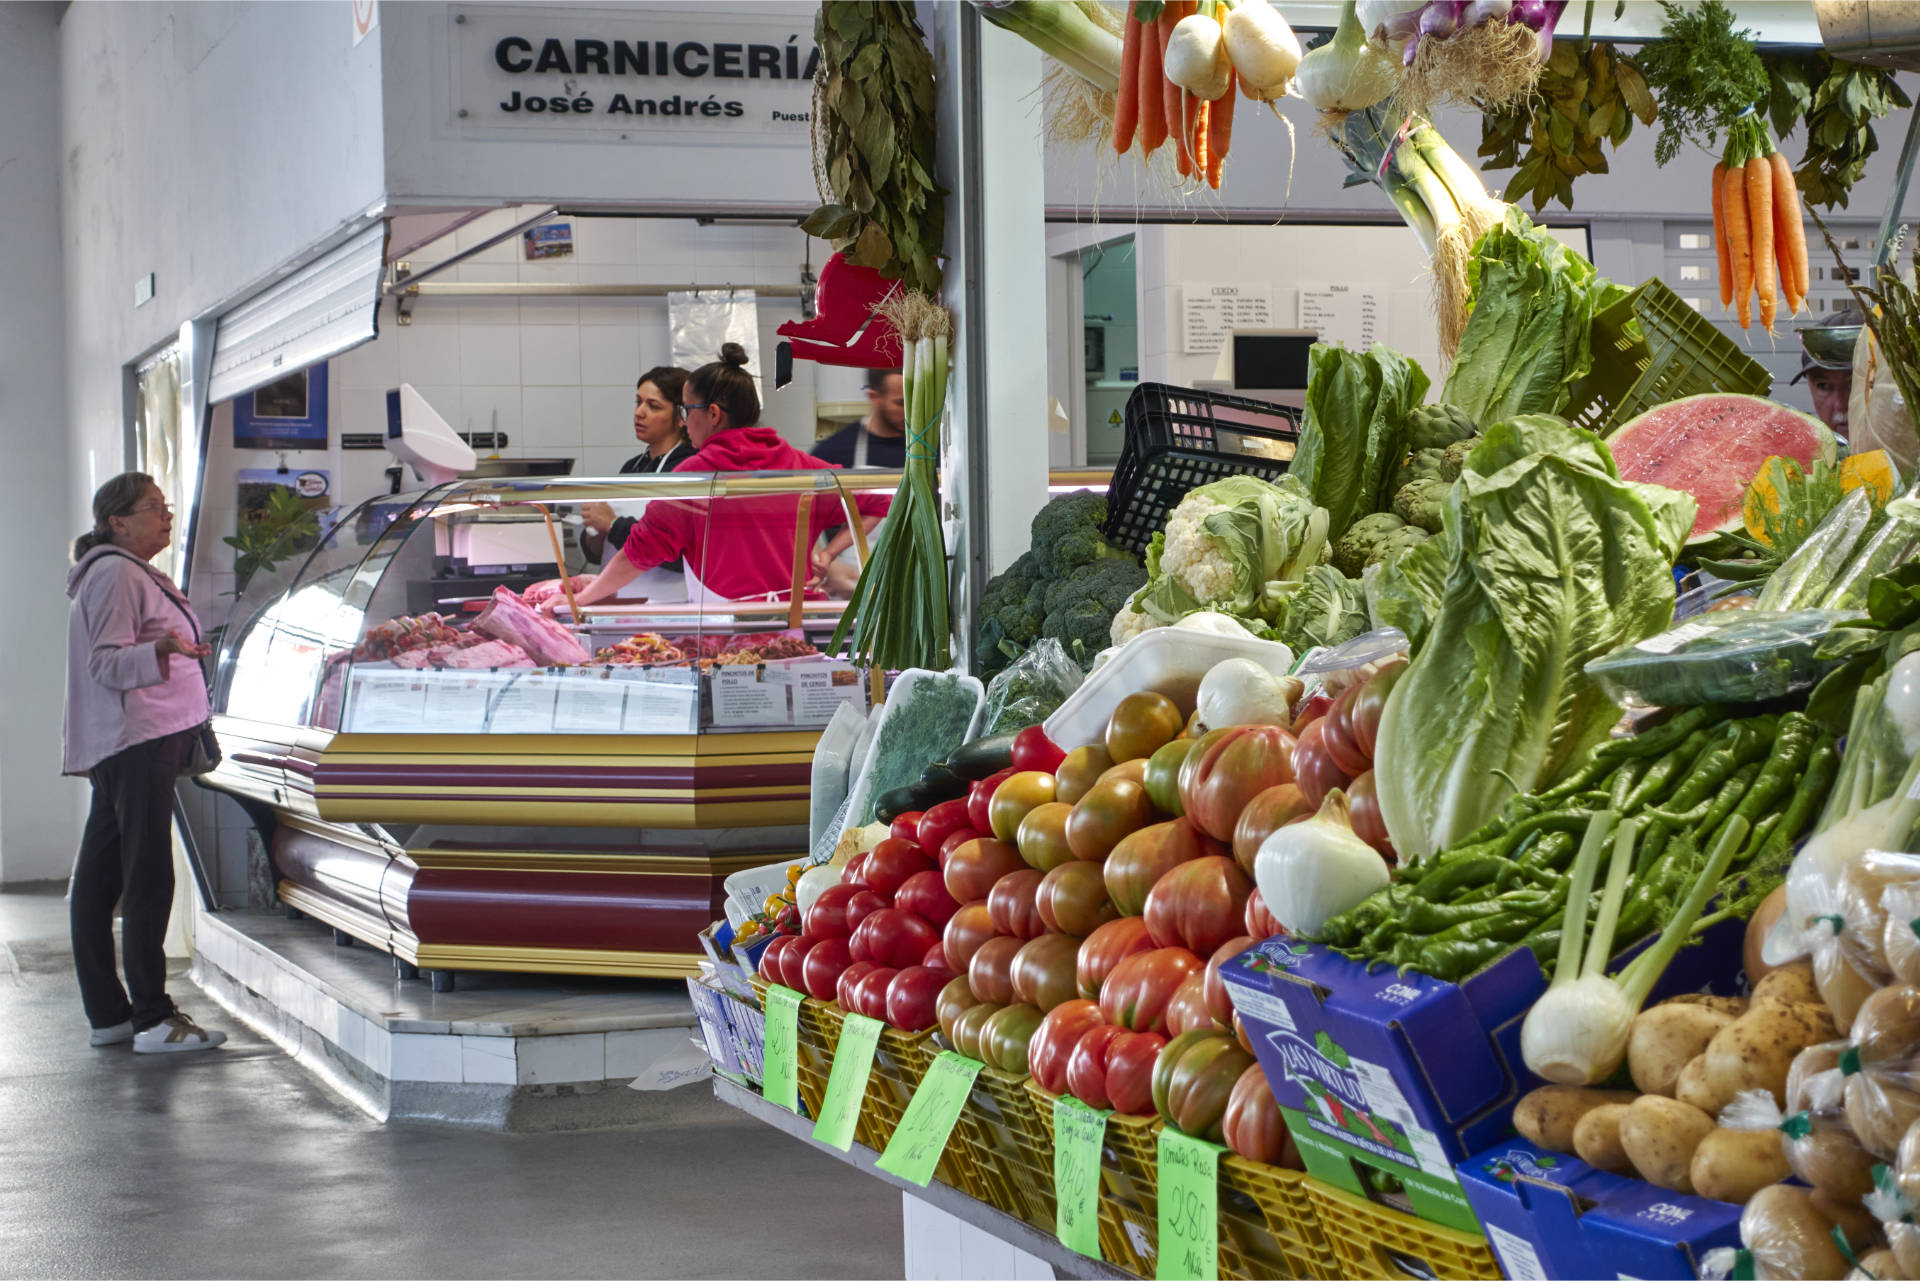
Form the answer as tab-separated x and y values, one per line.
847	1083
780	1068
1078	1134
920	1138
1189	1212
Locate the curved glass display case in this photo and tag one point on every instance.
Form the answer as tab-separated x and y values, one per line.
423	741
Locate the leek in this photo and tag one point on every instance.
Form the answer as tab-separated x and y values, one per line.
1063	31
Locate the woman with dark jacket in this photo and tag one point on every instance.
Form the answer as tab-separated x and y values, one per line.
657	425
136	699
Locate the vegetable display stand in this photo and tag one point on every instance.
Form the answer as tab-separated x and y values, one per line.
1129	1178
1007	1139
1370	1240
958	1167
1650	348
813	1060
1268	1226
1178	438
734	1030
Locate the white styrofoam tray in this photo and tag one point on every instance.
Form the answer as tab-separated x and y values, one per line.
903	688
1169	660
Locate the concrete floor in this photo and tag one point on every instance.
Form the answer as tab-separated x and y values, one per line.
236	1163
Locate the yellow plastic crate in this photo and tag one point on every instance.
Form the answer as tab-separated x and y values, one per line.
1372	1240
959	1165
1268	1227
1128	1213
1007	1140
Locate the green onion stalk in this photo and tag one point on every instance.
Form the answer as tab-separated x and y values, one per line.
897	617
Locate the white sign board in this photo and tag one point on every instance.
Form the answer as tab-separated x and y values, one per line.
1210	312
702	72
1355	316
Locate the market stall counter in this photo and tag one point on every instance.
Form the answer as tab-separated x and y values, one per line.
446	769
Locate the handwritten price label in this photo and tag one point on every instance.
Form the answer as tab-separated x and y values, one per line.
847	1084
1189	1218
924	1127
1078	1133
780	1070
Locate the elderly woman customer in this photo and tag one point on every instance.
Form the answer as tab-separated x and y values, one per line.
136	699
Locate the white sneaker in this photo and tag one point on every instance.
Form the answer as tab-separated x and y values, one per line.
175	1034
118	1034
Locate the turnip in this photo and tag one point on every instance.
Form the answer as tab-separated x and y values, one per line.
1263	48
1196	57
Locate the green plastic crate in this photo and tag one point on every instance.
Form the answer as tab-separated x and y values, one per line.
1650	348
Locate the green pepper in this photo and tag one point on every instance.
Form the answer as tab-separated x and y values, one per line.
1444	883
1731	794
1663	738
1510	925
1823	765
1456	960
1675	764
1621	783
1715	764
1795	743
1545	946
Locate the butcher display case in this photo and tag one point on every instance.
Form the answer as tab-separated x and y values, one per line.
451	759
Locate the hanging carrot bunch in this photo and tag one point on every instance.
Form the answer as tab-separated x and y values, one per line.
1757	227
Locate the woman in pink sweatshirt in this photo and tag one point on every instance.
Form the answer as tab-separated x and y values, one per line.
136	696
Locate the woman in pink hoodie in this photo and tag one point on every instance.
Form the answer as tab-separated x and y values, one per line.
745	548
136	696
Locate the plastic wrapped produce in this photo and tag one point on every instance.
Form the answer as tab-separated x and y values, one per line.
1032	688
1818	1146
1728	656
1876	1080
1784	1236
1895	1201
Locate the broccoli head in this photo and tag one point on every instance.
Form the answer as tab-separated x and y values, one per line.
1422	464
1453	460
1066	533
1081	607
1396	542
1437	426
1421	502
1351	553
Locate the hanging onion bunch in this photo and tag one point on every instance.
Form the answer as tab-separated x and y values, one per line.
1481	53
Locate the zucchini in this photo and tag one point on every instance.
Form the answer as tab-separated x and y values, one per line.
890	805
982	757
938	784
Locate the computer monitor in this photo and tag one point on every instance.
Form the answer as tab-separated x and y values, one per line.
1267	364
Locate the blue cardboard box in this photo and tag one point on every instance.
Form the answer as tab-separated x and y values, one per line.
1552	1215
1404	1076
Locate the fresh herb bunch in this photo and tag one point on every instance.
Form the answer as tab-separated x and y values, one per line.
1583	100
873	141
1705	74
1839	101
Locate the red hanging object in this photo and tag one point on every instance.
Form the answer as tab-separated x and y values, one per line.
845	329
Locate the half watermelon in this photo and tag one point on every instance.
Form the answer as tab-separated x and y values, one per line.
1713	446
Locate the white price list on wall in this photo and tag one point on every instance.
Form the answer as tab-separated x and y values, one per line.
1354	316
1210	312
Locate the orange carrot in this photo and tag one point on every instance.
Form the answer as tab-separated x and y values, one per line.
1739	246
1220	129
1198	110
1171	94
1720	249
1760	227
1153	101
1792	245
1126	102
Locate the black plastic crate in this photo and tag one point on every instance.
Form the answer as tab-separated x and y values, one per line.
1179	438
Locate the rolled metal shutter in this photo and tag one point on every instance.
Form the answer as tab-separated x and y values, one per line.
321	310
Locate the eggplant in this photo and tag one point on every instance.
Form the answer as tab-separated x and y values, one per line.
982	757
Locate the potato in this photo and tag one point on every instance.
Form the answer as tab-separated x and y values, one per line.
1596	1139
1659	1136
1692	1087
1887	1028
1877	1264
1756	1049
1788	983
1898	941
1732	1165
1734	1005
1904	1240
1860	896
1842	986
1548	1115
1788	1236
1763	918
1880	1114
1663	1040
1858	1226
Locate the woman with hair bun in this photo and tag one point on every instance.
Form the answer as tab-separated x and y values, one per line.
744	549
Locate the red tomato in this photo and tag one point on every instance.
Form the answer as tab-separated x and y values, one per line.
1193	1080
1198	905
1105	948
980	794
1314	768
1032	749
1140	860
974	868
966	930
1364	716
925	895
895	938
1012	904
860	905
911	998
870	993
990	972
1087	1065
1240	1034
1043	971
1259	921
906	826
955	839
1136	993
1052	1046
1219	995
1264	815
1252	1125
1112	1067
1187	1011
770	959
856	872
826	961
936	959
1113	810
1073	899
793	959
1227	769
1364	813
843	987
828	916
1310	711
891	862
941	821
1007	1035
955	999
1341	745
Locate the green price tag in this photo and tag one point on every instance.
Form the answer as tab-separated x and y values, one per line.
780	1071
921	1136
847	1083
1189	1212
1078	1133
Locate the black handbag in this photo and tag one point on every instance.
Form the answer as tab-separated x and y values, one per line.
203	753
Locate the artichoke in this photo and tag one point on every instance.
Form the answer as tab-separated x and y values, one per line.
1396	542
1421	502
1454	460
1354	550
1423	464
1437	426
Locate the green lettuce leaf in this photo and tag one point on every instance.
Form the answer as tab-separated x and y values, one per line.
1354	433
1324	607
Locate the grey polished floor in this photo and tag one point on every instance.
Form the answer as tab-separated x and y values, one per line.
236	1163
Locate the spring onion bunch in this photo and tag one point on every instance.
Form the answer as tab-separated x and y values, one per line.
897	616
